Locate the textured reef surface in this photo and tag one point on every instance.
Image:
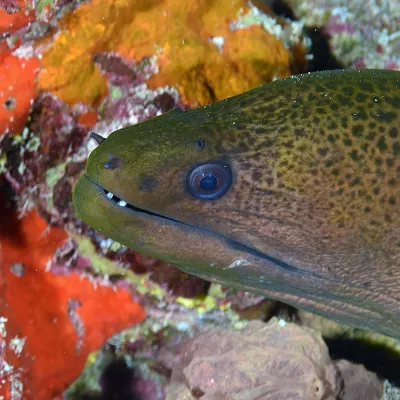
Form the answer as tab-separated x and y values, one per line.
81	316
269	361
361	35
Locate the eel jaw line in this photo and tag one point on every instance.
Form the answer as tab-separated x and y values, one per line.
124	204
237	245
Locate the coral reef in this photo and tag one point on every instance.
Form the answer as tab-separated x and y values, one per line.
269	361
143	356
203	55
363	35
50	323
14	15
17	91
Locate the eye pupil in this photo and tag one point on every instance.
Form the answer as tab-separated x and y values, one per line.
209	183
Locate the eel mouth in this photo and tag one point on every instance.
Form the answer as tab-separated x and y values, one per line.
123	204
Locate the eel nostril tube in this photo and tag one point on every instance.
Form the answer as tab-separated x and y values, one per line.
99	139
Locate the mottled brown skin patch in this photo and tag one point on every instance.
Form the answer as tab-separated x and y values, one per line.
314	208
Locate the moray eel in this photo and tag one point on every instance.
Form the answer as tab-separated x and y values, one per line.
290	190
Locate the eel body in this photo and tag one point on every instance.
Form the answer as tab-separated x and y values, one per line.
290	190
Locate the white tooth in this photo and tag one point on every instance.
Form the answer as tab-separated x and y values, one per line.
110	195
122	203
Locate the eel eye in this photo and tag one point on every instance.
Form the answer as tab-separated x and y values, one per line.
209	180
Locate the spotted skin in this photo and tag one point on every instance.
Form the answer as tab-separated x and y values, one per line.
313	214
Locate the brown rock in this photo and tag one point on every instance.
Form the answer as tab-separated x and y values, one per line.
266	362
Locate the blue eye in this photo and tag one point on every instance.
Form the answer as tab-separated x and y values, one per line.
209	180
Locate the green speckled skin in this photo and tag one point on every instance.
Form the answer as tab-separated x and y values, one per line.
313	215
